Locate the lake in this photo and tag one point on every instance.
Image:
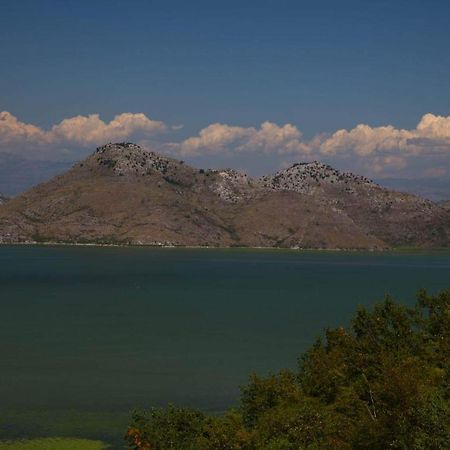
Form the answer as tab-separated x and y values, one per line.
87	334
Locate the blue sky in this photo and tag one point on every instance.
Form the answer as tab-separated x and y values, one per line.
321	66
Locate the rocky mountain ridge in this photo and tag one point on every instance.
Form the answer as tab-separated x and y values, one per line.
123	194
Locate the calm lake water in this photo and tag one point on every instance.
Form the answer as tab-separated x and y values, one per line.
87	334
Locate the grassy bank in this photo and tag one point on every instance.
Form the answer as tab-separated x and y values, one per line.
53	444
42	426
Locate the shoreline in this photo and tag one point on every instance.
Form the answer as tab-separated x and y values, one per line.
206	247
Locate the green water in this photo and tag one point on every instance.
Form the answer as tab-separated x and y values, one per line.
89	333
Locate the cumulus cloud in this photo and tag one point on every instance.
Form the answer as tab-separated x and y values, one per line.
93	130
437	127
221	138
431	133
12	130
364	140
84	131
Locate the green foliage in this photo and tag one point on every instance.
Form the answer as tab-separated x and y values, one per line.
384	383
223	433
185	429
305	424
263	394
171	428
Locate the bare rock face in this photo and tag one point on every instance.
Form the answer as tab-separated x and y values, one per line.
232	186
123	194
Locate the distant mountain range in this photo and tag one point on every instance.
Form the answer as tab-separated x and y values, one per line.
122	194
18	174
436	189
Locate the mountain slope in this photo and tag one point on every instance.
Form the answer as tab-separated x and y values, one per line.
124	194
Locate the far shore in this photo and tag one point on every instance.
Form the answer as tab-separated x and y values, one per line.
212	247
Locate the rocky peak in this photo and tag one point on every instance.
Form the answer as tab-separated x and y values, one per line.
118	146
130	159
305	177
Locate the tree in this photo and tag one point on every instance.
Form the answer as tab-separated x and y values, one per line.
382	383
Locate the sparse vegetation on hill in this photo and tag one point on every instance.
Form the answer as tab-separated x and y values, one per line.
383	383
123	194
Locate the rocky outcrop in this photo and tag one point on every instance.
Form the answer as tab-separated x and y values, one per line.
232	186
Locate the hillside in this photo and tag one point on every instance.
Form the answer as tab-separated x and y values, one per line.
123	194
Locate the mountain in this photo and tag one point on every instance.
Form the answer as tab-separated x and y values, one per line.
123	194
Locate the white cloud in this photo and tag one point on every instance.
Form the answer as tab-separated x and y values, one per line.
12	130
81	131
221	138
93	130
271	137
432	133
364	140
436	127
213	139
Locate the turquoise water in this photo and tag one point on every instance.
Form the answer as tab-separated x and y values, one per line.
89	333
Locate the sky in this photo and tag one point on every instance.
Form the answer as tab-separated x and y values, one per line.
255	85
